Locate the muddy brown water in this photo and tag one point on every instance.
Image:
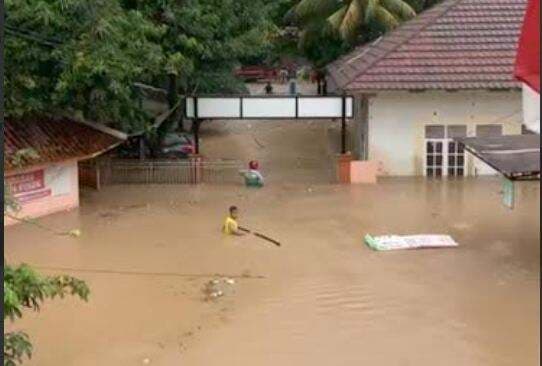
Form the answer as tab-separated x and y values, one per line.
323	298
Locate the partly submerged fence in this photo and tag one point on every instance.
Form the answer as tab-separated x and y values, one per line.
97	173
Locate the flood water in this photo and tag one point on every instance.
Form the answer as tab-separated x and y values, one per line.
322	298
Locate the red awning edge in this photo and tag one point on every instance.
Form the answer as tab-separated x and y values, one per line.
528	55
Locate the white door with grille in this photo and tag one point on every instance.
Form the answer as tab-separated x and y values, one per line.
442	155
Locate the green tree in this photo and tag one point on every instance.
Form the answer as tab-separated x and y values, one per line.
25	288
80	57
204	40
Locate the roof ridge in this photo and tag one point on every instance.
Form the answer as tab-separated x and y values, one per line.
102	128
446	5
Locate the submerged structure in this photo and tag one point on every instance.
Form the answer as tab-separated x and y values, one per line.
41	161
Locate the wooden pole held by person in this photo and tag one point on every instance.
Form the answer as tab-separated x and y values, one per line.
260	236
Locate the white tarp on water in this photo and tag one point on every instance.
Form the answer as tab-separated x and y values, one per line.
396	242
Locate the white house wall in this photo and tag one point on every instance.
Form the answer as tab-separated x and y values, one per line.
42	190
531	109
397	124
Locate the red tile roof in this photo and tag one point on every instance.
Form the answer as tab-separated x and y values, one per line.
56	140
457	44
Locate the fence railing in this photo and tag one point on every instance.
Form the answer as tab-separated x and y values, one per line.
98	173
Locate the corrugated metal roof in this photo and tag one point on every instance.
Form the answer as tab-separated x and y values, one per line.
514	156
457	44
56	139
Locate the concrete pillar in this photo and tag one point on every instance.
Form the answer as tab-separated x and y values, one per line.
343	167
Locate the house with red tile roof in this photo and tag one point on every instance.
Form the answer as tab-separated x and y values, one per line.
41	161
447	73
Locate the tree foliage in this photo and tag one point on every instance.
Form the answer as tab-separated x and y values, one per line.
78	56
83	56
25	288
205	39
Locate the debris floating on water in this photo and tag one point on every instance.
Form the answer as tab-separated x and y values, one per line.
216	288
395	242
75	233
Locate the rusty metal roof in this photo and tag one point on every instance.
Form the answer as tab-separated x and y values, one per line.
56	140
457	44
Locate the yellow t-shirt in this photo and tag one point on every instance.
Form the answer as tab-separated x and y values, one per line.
230	226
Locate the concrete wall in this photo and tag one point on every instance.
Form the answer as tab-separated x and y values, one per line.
397	123
44	190
531	109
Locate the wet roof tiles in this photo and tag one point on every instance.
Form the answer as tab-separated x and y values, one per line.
457	44
56	140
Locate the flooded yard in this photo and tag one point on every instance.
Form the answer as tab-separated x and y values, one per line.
322	298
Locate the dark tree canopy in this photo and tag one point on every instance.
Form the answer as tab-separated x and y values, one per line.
79	57
83	56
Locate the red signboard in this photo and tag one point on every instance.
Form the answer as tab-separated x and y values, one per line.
28	187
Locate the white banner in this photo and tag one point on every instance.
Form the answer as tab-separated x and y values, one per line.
307	107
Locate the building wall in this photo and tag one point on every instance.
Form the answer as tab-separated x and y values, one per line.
531	109
397	120
44	190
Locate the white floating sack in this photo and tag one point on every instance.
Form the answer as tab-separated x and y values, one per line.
396	242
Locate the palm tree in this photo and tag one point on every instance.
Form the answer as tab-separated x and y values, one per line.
346	17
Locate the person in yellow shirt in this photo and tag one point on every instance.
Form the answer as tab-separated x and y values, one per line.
230	226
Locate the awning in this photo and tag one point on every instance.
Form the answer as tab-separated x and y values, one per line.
514	156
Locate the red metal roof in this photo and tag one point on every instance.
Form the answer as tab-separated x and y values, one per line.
56	140
528	57
457	44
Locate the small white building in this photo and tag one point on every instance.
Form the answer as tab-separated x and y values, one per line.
47	181
446	73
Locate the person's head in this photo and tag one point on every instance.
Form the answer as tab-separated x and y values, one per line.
234	212
253	164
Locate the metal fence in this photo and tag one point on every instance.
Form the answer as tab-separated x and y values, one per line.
98	173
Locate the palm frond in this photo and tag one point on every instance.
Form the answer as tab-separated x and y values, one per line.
307	9
336	18
399	8
385	18
351	20
370	9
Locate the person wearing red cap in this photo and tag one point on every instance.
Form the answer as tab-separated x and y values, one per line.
253	178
